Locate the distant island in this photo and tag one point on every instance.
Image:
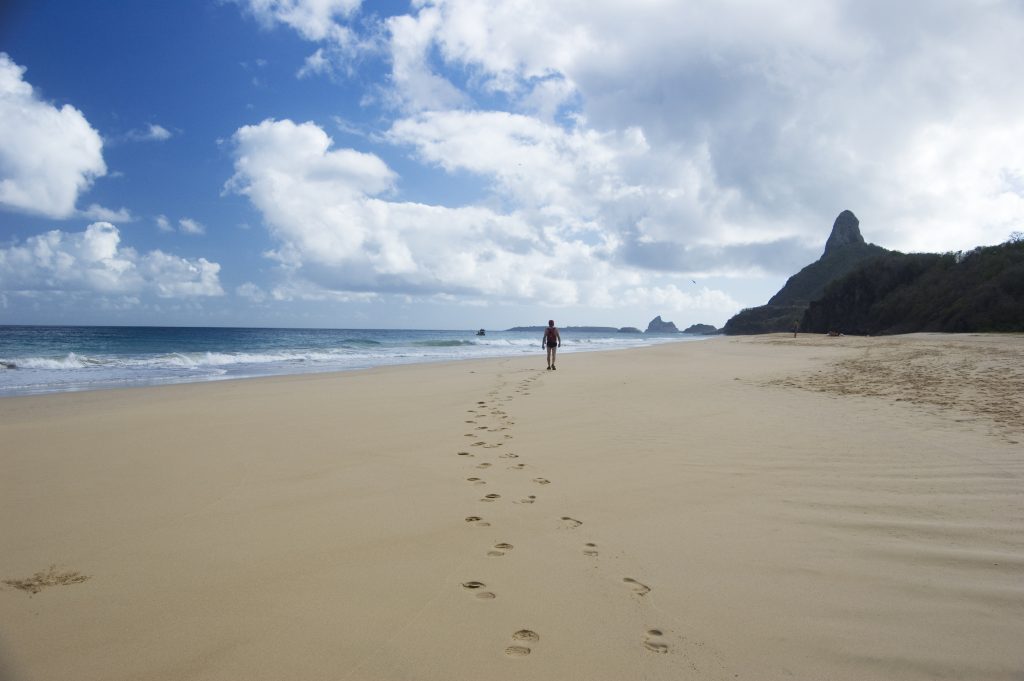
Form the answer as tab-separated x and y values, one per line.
659	326
701	330
581	329
656	325
860	288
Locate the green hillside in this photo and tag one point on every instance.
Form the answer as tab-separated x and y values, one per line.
979	290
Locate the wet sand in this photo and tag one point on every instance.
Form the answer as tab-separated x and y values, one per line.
759	508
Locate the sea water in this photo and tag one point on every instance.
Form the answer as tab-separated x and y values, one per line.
46	359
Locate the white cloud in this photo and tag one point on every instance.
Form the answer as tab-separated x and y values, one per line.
48	155
338	237
626	146
252	292
94	261
190	226
787	116
151	133
98	212
313	19
185	225
315	64
537	164
416	86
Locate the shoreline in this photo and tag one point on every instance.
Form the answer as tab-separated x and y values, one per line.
46	360
747	506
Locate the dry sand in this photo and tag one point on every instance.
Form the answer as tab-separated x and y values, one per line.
759	508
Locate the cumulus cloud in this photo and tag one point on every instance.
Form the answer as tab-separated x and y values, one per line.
49	155
95	261
98	212
190	226
339	234
626	148
312	19
319	21
251	291
151	133
906	115
185	226
315	64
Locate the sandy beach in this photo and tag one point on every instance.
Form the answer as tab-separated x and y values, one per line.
751	508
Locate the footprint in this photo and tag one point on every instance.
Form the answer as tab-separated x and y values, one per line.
653	643
528	500
491	497
517	467
542	481
509	455
638	588
526	635
517	651
571	523
477	444
463	453
481	427
496	444
590	549
477	520
471	421
484	465
473	585
477	481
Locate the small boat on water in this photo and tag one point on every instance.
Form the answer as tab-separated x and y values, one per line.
481	332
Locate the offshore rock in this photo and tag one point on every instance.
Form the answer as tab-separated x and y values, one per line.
659	326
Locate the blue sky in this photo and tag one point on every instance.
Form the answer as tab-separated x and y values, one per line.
453	164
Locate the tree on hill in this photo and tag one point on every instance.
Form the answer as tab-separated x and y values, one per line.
977	290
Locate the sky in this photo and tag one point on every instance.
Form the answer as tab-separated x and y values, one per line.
462	164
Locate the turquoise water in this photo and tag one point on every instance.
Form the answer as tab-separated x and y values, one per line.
45	359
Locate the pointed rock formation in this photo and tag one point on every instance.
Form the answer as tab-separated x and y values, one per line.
845	250
658	326
845	231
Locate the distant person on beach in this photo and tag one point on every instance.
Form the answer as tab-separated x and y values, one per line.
552	340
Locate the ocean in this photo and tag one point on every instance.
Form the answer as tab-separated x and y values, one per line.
47	359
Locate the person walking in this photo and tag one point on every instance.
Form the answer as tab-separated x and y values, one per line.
552	340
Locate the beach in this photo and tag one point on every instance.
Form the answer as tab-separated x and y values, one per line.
756	508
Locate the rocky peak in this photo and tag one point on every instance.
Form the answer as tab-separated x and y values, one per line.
658	326
845	231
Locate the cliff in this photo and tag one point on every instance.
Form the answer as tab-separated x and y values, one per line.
845	250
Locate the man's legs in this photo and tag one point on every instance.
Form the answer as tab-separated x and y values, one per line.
551	356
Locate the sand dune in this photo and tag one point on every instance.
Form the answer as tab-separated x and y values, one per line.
760	508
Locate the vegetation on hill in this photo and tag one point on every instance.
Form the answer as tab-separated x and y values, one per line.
978	290
786	308
845	250
809	283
